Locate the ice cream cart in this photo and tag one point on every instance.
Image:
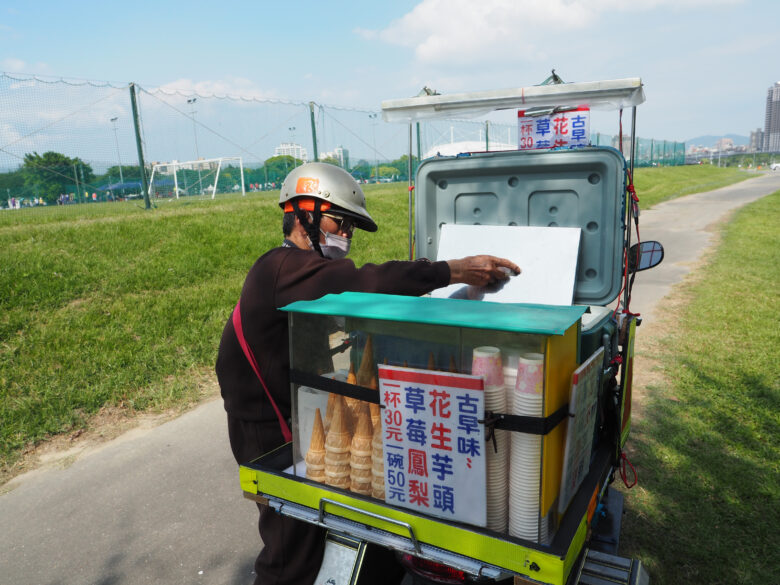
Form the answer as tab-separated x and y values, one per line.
469	429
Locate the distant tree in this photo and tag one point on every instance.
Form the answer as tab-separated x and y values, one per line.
331	161
387	172
402	166
278	167
362	170
11	183
52	173
129	173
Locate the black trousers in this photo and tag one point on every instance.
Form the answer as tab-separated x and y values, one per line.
292	549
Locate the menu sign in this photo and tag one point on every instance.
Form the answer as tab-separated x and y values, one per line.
581	426
434	444
561	130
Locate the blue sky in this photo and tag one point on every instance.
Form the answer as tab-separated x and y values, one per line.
706	64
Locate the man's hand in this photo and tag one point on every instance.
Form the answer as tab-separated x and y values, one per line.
481	270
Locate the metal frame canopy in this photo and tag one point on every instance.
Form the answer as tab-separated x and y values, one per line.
606	95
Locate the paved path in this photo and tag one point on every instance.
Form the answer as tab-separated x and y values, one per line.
685	227
163	506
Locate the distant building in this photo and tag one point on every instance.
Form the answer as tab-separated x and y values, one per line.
772	119
757	140
340	154
292	149
724	145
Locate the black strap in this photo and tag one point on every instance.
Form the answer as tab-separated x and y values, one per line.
312	227
531	425
511	422
334	386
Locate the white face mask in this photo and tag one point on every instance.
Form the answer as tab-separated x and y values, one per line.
335	246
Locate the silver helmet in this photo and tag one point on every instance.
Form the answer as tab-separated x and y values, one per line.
332	185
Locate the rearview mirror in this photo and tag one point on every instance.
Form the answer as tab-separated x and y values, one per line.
645	255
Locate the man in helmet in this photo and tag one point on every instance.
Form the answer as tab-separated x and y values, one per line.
322	206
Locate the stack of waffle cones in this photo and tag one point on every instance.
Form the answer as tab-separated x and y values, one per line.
360	459
377	465
352	404
315	456
346	449
337	443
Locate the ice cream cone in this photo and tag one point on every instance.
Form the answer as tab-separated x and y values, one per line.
376	415
378	488
351	377
339	436
364	432
318	476
329	411
367	366
361	475
339	482
337	469
377	457
315	456
360	487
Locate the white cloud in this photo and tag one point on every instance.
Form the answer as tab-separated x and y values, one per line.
232	87
467	32
13	65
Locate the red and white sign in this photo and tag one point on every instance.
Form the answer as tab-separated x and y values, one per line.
562	130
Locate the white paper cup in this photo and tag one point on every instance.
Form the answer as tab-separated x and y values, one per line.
486	362
530	374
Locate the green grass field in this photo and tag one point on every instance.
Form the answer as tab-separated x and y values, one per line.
657	184
708	449
112	305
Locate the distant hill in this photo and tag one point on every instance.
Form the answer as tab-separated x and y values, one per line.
710	141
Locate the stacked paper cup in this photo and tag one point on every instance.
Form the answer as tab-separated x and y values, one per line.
526	450
510	380
486	361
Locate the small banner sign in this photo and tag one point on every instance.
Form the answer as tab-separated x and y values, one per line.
562	130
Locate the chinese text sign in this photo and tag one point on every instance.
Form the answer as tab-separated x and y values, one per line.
434	444
561	130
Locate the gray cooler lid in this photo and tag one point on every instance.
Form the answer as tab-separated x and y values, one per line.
582	188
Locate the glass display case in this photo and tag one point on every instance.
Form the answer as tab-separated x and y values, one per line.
447	408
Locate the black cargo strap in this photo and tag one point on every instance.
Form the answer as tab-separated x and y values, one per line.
531	425
334	386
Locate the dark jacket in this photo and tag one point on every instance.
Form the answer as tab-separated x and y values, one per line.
285	275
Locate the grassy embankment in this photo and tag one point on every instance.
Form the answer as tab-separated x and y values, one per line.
708	447
108	305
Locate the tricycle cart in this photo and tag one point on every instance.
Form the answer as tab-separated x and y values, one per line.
484	435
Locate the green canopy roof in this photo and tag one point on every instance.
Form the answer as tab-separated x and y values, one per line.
518	318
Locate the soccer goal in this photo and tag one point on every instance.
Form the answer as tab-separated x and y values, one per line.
197	177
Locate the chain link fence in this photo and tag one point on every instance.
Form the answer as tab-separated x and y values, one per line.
65	142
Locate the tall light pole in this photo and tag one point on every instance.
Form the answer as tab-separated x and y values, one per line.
292	145
119	158
192	101
376	159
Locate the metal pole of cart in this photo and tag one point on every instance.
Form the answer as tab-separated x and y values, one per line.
629	202
411	188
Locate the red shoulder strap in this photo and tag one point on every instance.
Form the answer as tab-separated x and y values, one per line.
253	362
